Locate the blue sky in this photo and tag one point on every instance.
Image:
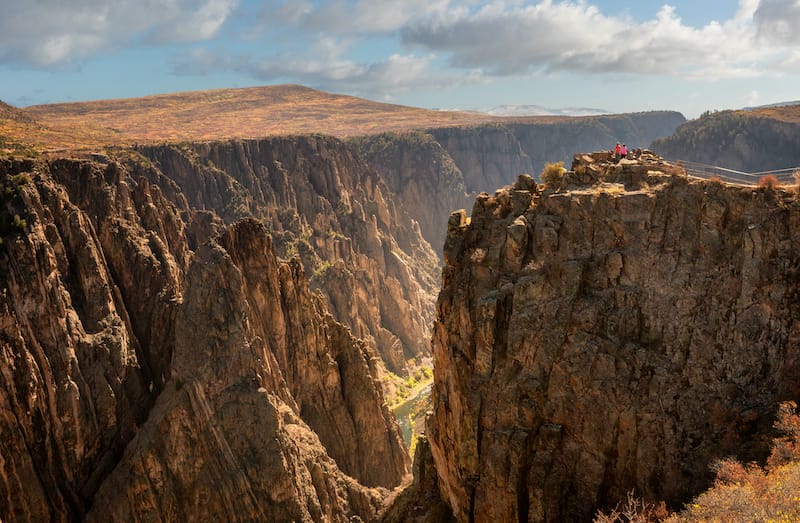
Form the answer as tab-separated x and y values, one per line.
615	55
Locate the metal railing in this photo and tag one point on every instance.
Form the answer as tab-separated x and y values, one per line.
701	170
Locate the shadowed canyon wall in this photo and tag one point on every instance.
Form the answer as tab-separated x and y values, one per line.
616	336
741	140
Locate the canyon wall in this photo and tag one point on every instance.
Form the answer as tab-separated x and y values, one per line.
437	171
486	154
613	333
160	364
749	141
321	202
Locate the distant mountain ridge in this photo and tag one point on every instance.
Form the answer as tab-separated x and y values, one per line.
538	110
776	104
753	140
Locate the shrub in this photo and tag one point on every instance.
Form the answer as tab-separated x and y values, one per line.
552	173
20	223
751	493
768	181
321	270
634	510
786	448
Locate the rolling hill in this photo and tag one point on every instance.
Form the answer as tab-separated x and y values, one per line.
223	114
234	113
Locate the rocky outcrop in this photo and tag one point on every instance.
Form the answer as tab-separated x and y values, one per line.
151	371
492	156
440	170
559	141
609	337
322	202
226	438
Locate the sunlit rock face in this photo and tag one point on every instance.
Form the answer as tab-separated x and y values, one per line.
159	364
615	334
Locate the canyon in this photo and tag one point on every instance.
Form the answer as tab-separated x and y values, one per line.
141	378
216	327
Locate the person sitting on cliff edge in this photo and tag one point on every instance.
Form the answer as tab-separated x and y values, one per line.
617	152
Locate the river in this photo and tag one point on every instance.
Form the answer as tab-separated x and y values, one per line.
403	410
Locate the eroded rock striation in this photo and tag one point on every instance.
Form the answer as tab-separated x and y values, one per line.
322	202
617	333
158	364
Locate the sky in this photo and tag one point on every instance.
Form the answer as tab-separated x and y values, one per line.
619	56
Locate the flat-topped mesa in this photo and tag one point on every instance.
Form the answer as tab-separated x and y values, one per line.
610	336
639	167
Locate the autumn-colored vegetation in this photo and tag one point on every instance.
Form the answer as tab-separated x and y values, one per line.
552	173
222	114
753	493
784	113
741	492
768	181
212	115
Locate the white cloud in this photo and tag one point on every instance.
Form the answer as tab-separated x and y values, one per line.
359	17
452	42
52	33
200	24
778	20
325	66
576	36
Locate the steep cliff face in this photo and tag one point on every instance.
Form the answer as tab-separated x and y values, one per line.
74	375
322	202
423	175
227	438
610	337
741	140
435	172
489	156
127	328
492	156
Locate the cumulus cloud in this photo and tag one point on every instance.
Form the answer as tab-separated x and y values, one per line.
452	42
778	20
48	33
515	39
